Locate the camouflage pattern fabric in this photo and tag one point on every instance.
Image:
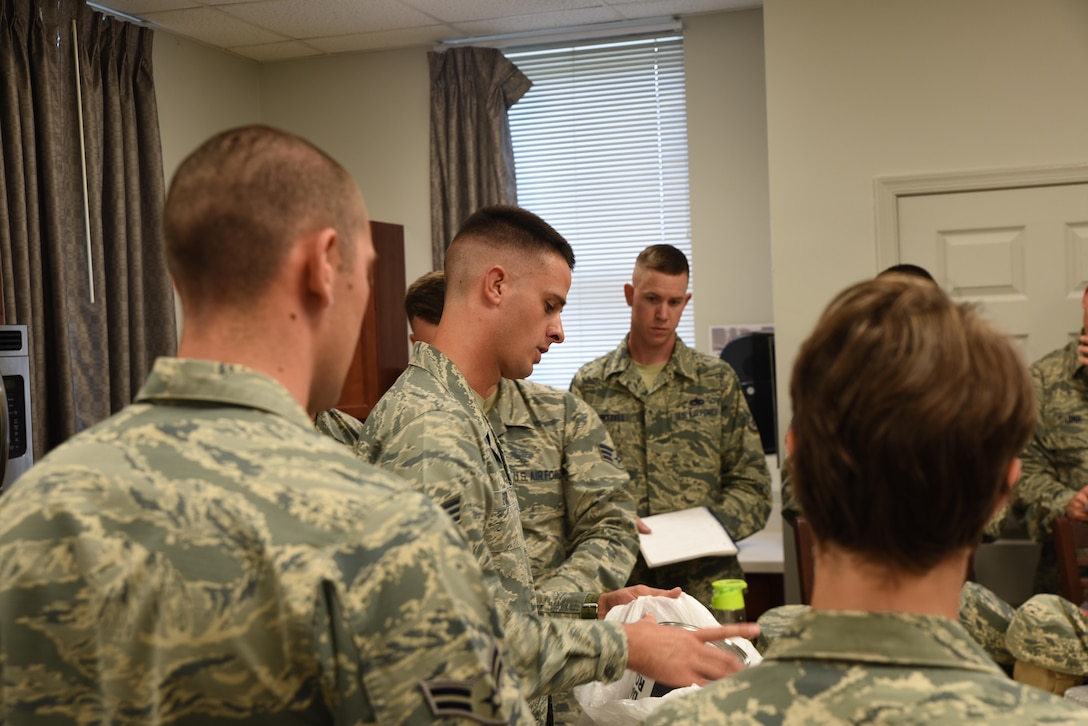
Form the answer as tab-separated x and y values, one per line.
576	513
340	426
986	618
982	614
205	556
1052	633
776	621
688	441
429	427
1056	459
837	667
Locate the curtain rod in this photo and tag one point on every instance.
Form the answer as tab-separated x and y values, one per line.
117	13
576	32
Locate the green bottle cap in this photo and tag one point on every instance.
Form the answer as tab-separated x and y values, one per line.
728	594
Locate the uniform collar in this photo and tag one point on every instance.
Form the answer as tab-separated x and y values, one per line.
682	361
175	380
881	638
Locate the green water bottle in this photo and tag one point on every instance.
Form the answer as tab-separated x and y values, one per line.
728	601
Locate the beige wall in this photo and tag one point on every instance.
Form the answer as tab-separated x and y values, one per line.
859	89
727	142
370	111
199	91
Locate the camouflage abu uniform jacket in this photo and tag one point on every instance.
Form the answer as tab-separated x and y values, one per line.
1055	462
576	513
838	667
690	441
205	556
429	428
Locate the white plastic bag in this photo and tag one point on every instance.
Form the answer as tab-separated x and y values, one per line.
628	700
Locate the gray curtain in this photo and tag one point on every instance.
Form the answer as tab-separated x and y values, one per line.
472	156
98	307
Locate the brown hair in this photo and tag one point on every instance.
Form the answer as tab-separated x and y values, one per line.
510	229
907	410
663	258
426	297
237	203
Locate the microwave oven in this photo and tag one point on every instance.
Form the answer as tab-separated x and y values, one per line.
16	434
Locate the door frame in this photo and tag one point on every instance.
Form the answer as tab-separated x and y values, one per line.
888	189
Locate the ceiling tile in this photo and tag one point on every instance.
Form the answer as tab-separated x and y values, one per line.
211	26
308	19
406	38
468	10
653	8
286	50
539	21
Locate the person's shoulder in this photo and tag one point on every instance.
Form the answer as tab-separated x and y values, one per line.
1054	363
596	368
538	394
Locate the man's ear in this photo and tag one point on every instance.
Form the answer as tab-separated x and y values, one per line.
1011	478
629	293
321	257
496	281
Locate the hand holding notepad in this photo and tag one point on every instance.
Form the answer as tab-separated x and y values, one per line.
684	535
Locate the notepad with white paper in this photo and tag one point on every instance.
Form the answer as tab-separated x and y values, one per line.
684	535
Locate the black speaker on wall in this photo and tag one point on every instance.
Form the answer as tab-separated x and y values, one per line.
752	357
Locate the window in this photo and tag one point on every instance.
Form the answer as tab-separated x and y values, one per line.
600	148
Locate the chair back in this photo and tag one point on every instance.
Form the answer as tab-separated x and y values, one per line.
1071	549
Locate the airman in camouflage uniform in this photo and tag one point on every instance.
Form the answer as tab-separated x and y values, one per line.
881	643
687	437
1055	476
576	514
512	273
204	556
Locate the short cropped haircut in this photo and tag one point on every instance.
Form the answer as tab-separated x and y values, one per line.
426	298
506	228
908	409
236	204
663	258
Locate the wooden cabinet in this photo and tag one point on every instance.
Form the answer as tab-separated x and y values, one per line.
382	351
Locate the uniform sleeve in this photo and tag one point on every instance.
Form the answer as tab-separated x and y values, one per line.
600	511
746	484
408	633
1040	494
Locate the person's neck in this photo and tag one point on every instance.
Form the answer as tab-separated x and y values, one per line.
647	355
281	352
474	361
844	581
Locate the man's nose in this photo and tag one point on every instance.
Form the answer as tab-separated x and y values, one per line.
555	332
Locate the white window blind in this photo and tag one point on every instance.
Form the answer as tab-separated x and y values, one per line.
600	150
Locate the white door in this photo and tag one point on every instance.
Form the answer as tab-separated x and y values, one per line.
1021	254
